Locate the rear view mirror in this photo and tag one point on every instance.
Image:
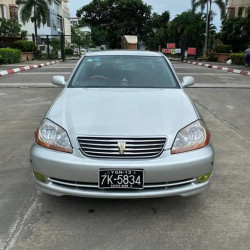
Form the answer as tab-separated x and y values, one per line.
187	81
59	81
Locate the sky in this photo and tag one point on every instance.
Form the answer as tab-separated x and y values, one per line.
175	7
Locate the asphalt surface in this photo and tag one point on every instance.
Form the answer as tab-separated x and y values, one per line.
216	219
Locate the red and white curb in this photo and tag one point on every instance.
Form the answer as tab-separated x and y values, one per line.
12	71
237	71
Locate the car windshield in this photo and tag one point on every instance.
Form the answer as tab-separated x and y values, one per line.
123	72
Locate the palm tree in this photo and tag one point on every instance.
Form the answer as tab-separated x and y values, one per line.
194	4
222	4
36	11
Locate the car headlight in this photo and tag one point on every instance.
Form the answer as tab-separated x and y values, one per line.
194	136
52	136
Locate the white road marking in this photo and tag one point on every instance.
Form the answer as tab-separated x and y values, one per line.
18	226
230	107
30	100
237	71
56	67
45	73
28	85
3	73
221	85
190	67
208	74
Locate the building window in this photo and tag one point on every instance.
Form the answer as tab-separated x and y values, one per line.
13	12
3	11
59	24
231	12
48	18
248	12
240	11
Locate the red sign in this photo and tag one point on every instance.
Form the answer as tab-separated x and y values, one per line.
171	45
191	51
166	51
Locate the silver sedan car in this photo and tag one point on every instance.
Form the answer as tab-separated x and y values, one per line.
123	127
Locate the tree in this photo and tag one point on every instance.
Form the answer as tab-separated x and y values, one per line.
117	18
36	11
222	4
9	28
158	30
188	26
236	32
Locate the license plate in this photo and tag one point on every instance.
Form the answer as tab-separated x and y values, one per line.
121	179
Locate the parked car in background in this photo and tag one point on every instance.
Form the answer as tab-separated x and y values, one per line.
82	50
123	127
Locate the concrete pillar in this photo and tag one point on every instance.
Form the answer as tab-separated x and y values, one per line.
244	12
236	11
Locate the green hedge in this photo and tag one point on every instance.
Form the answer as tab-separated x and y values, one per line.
69	52
238	58
9	56
223	48
24	46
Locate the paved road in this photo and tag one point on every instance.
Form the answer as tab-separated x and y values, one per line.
216	219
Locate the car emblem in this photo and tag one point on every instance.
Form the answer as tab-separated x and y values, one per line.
121	146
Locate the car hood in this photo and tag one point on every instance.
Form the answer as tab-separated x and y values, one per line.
124	112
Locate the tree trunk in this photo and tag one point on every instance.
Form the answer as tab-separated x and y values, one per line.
207	23
209	20
35	26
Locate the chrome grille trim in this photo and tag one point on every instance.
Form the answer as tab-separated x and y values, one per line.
75	184
107	147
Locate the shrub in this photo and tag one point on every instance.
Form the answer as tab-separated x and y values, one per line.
210	56
9	56
24	46
55	43
44	56
54	54
238	58
69	52
223	49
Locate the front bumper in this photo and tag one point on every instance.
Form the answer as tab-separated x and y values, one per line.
65	171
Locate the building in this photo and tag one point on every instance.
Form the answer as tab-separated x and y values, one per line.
238	8
8	9
129	42
74	22
58	21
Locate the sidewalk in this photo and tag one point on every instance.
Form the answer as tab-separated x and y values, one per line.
7	69
237	69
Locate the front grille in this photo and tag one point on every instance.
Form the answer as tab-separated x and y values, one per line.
107	147
84	185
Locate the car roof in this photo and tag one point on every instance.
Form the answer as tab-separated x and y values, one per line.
123	53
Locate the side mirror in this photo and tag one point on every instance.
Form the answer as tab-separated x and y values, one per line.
187	81
59	81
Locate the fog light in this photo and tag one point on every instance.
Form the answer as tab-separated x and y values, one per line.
204	177
39	177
